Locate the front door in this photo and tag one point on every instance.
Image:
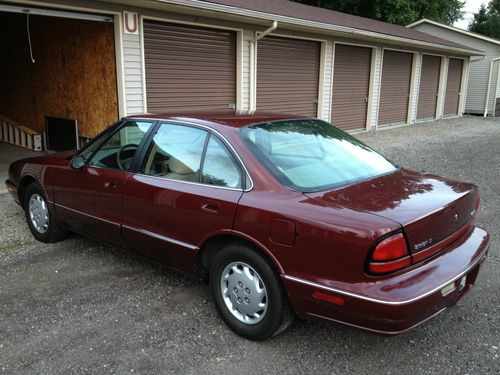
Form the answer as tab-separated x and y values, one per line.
187	190
89	200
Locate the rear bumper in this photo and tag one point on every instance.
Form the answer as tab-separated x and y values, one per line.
396	304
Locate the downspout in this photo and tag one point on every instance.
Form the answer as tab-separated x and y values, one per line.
489	87
253	64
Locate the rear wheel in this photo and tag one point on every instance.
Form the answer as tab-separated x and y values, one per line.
248	294
41	219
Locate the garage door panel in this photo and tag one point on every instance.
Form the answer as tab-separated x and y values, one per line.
351	85
429	87
453	87
288	75
395	88
189	68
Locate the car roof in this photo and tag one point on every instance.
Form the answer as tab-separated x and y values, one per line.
236	119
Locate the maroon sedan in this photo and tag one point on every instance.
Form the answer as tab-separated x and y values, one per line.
283	215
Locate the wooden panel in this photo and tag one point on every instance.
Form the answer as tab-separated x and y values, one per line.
74	74
453	87
429	87
288	76
351	85
395	90
189	68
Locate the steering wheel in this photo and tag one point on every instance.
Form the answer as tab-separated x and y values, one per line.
119	159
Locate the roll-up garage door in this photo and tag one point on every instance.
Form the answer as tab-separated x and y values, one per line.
189	68
351	85
429	87
453	86
288	75
395	90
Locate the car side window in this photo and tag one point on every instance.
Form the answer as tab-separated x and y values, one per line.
118	151
219	166
175	153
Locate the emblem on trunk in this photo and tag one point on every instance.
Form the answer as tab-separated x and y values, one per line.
456	217
422	244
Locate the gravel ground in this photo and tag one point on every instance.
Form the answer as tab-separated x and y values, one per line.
78	306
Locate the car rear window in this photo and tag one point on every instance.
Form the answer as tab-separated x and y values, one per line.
313	155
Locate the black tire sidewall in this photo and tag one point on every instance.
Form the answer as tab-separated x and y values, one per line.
272	319
53	232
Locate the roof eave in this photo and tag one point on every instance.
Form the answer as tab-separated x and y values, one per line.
455	29
320	26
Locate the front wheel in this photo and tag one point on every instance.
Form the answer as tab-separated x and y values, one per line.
41	219
248	294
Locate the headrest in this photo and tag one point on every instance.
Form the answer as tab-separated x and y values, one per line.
178	167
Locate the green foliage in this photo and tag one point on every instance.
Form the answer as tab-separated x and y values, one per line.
487	20
402	12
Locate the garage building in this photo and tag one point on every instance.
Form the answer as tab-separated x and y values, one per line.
96	62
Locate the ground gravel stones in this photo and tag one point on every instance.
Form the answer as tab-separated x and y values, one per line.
80	307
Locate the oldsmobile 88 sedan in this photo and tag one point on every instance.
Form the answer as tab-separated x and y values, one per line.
285	216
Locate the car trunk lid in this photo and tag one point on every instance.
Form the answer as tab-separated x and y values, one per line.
430	208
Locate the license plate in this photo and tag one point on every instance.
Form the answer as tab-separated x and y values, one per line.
448	289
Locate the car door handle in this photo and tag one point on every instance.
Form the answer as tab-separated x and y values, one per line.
211	208
110	185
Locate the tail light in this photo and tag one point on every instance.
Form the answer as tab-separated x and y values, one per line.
389	255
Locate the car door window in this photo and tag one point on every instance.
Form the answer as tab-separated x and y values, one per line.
175	153
219	166
118	151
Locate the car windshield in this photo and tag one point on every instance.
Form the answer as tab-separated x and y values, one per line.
313	155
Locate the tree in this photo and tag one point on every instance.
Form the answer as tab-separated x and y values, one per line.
487	20
402	12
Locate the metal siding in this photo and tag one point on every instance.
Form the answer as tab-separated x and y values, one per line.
132	68
248	36
189	68
377	81
395	90
479	70
327	88
453	85
351	85
288	75
429	87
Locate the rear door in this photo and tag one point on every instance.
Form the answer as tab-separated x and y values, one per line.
187	189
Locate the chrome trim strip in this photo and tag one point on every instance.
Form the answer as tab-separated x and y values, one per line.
162	238
88	215
392	303
378	330
226	142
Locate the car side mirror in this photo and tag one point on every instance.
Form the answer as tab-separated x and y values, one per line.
77	162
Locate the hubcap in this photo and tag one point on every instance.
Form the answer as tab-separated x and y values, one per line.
244	292
39	213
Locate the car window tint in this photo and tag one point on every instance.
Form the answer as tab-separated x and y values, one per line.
175	153
219	167
118	151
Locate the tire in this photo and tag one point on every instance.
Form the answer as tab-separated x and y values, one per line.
262	309
40	216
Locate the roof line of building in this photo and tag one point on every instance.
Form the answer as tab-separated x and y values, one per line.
212	6
458	30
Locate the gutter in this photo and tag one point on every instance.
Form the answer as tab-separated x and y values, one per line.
486	105
207	5
253	64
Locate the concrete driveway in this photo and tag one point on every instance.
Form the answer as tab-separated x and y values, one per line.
80	307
